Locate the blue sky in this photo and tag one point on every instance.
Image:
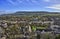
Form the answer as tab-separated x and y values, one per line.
29	5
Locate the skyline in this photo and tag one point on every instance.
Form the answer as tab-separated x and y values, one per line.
30	5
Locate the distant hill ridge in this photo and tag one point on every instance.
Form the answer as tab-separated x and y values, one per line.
31	12
34	12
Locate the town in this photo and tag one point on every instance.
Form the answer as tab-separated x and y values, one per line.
30	26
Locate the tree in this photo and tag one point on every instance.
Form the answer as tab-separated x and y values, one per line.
57	37
38	36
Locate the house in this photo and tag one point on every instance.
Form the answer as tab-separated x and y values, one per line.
55	28
1	30
1	34
4	37
4	24
51	22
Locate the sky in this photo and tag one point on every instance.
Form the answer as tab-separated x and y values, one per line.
29	5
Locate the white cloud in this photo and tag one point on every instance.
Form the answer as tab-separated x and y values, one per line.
56	6
15	2
20	1
34	0
46	0
52	1
10	1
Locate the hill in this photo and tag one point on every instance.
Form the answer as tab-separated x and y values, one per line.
19	13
